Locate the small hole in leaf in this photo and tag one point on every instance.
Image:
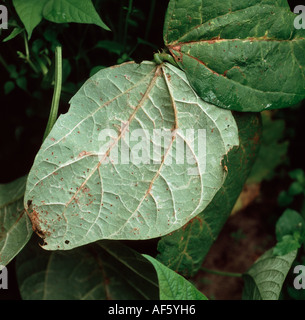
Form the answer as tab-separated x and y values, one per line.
67	242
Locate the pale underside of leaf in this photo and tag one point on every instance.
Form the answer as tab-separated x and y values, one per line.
74	197
265	278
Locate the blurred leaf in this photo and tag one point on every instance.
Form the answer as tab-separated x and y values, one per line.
16	31
287	244
289	222
298	174
22	83
78	11
30	13
296	188
103	271
272	151
9	86
173	286
264	280
284	199
15	226
111	46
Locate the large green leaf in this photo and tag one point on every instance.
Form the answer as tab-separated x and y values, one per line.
30	13
264	280
15	226
173	286
107	270
242	55
79	11
185	249
76	196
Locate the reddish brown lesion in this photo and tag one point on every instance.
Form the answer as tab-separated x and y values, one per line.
36	222
84	153
179	57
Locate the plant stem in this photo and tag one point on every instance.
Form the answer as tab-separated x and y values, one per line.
57	91
126	23
164	57
150	18
222	273
3	62
27	53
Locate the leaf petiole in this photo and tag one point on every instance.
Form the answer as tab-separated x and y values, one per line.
222	273
164	57
57	91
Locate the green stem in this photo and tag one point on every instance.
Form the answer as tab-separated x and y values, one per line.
222	273
3	62
27	53
126	23
150	18
57	91
165	57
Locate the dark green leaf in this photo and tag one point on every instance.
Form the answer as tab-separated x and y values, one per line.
16	31
9	86
173	286
272	151
242	55
105	271
78	11
298	175
284	199
111	46
30	13
287	244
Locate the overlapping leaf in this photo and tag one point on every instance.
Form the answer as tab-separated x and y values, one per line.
15	226
79	11
185	249
85	186
173	286
31	12
264	280
242	55
105	271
